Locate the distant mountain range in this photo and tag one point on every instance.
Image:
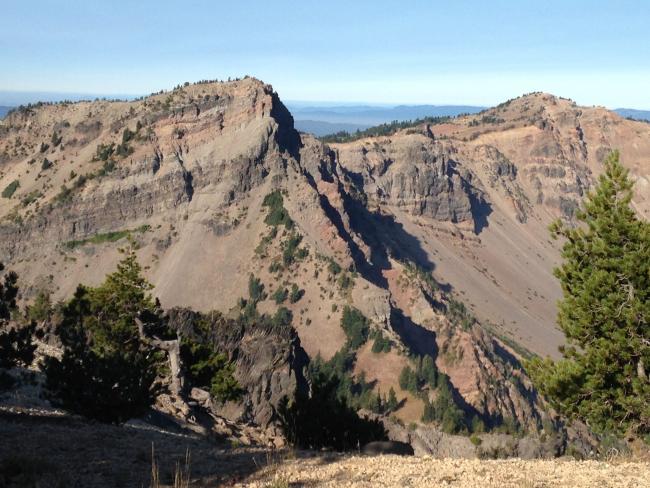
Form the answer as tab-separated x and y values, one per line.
316	118
633	114
322	119
321	128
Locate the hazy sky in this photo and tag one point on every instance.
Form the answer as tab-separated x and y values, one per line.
411	51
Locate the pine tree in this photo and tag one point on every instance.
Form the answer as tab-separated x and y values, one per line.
8	294
16	346
604	313
106	372
392	403
429	371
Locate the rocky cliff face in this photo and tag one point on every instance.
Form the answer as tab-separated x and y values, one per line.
186	173
416	174
269	362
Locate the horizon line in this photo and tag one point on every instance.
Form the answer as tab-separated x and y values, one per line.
90	96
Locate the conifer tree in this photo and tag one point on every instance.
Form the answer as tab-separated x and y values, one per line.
392	403
604	313
106	372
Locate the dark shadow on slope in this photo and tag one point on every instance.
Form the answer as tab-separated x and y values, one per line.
470	411
419	340
386	238
70	451
287	137
506	355
480	211
529	393
480	207
335	218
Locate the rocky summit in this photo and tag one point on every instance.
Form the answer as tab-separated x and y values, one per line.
435	234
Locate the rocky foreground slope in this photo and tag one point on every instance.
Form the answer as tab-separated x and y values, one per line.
437	234
59	451
425	472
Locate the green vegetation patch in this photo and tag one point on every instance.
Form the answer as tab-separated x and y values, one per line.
211	370
277	214
381	343
106	237
382	129
11	188
356	327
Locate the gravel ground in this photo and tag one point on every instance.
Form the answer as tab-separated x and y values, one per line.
55	451
427	472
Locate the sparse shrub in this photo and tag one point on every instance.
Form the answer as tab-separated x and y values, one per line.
41	308
333	267
296	293
255	289
211	370
381	343
355	326
280	295
56	139
104	152
290	247
444	410
423	276
392	403
10	189
345	282
459	315
65	195
31	197
277	214
282	318
408	380
46	164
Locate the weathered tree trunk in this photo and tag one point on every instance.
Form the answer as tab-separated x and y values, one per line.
640	370
173	350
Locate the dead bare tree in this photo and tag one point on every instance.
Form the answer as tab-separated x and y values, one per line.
173	350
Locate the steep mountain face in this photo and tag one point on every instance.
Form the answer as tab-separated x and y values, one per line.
188	174
478	193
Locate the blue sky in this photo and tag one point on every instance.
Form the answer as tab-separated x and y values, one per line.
470	52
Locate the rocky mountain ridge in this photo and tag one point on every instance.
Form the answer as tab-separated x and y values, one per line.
187	173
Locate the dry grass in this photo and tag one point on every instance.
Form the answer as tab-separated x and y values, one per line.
181	472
